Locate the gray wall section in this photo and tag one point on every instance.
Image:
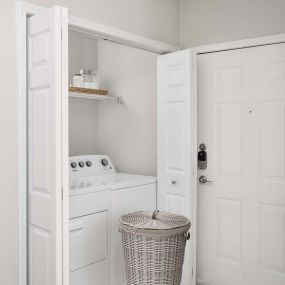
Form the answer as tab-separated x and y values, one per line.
83	54
8	143
82	127
127	132
212	21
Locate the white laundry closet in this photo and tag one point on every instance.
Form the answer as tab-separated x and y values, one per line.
72	231
116	125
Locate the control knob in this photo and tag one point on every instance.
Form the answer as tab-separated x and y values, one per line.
105	162
88	163
81	163
73	164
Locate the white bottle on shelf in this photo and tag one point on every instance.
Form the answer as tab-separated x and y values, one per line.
77	80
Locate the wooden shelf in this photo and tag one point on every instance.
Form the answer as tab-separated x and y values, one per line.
114	99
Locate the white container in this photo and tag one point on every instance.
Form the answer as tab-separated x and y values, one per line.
77	80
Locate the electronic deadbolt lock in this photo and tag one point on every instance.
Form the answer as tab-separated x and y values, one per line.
202	157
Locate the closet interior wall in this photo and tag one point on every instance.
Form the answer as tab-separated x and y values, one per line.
82	54
126	132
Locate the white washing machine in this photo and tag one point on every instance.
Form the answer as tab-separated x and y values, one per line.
98	197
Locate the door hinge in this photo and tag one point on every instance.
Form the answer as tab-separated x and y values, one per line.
61	35
192	271
61	193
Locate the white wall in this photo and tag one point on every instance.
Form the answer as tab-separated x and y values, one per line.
157	19
83	54
211	21
82	127
8	150
127	132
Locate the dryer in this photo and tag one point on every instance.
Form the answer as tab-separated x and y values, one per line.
99	195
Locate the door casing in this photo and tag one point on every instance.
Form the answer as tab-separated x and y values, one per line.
26	9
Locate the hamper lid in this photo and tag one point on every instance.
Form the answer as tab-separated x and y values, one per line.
157	223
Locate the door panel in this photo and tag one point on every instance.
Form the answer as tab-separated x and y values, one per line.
241	119
272	132
228	139
46	163
176	137
228	225
174	168
272	257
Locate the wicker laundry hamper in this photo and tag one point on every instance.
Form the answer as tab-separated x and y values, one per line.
154	245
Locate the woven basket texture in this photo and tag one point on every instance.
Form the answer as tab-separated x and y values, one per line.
153	260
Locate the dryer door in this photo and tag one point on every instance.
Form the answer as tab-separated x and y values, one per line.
88	240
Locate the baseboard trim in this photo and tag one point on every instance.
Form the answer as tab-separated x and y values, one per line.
199	282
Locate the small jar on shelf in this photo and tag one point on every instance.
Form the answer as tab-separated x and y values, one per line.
90	78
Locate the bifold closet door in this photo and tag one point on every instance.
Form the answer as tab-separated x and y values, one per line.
47	148
174	142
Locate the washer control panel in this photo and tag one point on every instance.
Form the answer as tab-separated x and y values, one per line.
90	165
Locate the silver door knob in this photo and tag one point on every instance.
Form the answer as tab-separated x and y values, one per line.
203	179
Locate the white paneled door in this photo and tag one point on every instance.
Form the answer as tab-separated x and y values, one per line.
241	120
47	147
174	145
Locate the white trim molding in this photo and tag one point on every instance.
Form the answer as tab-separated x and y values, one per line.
253	42
21	148
112	34
23	11
202	283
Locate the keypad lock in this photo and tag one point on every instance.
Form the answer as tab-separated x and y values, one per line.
202	157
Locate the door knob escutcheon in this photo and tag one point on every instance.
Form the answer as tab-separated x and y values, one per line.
203	179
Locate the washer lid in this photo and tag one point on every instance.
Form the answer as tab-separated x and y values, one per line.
125	180
114	181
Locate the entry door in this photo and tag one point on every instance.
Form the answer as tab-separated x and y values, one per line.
241	208
47	148
174	142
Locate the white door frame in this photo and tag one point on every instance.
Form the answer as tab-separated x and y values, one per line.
24	10
195	52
